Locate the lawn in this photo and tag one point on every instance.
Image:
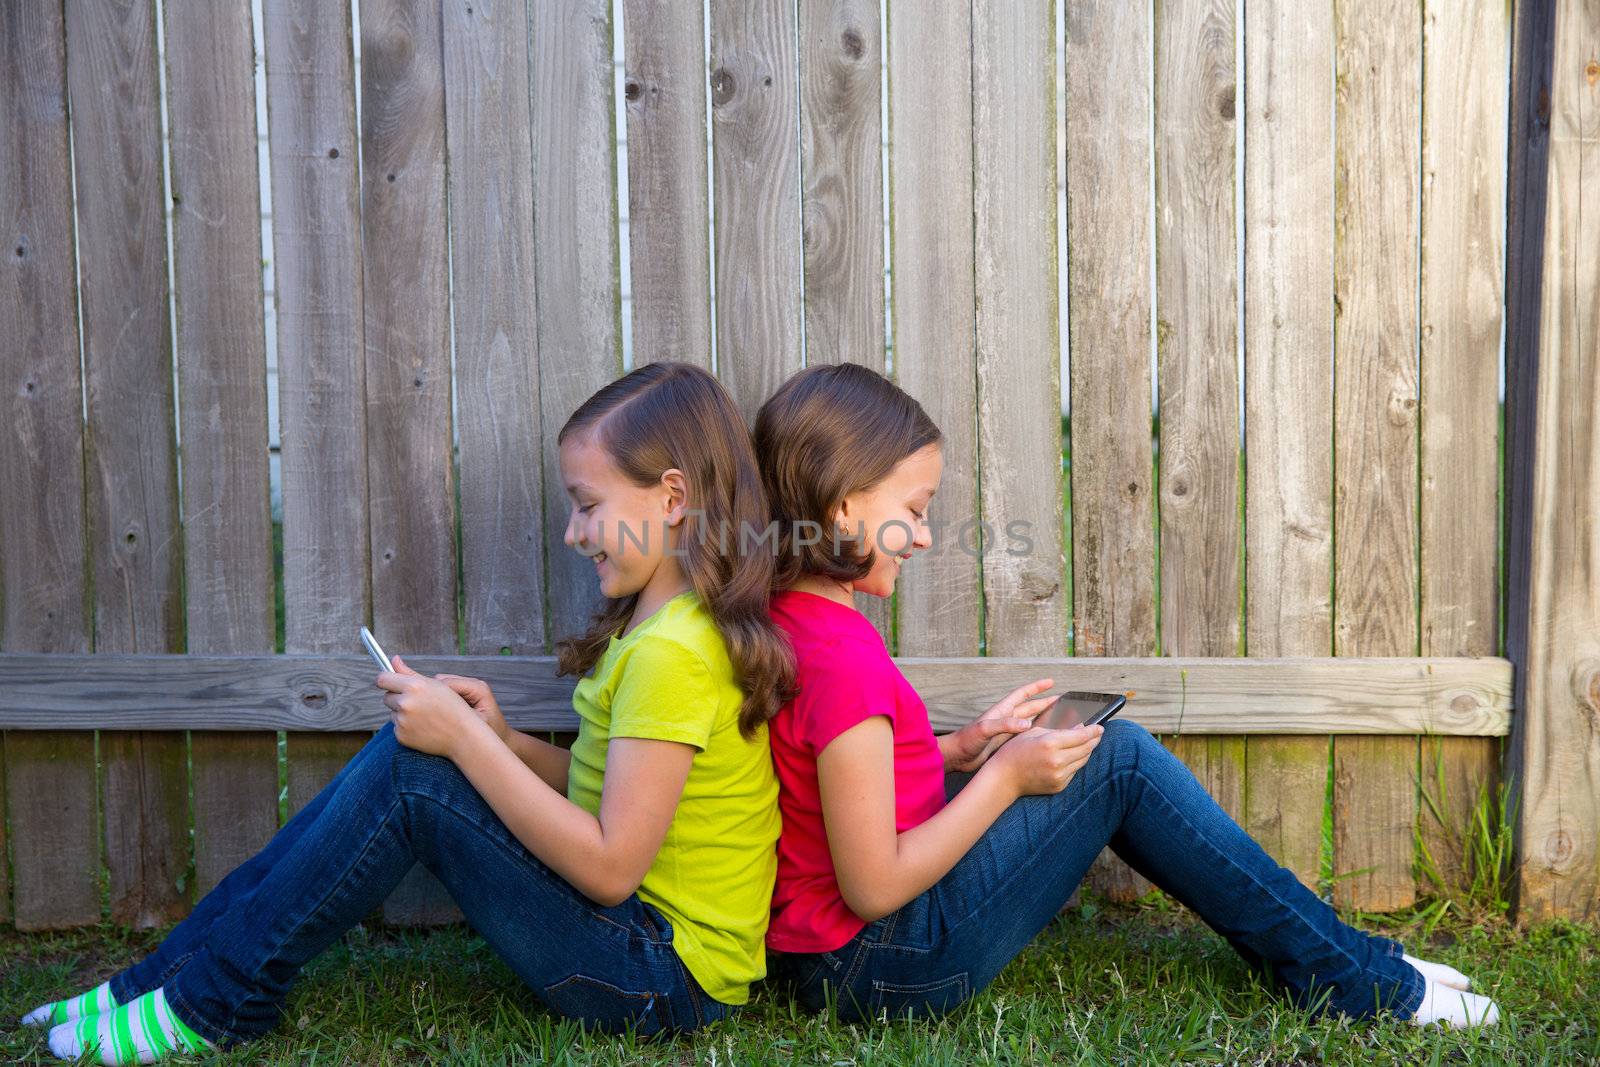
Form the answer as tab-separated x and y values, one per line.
1145	984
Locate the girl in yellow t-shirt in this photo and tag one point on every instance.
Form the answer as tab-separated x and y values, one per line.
627	882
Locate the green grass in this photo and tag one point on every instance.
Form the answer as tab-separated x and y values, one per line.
1137	985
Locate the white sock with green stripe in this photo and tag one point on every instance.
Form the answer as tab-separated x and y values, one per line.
144	1030
57	1012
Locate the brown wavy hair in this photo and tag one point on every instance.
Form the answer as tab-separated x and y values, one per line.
829	431
671	414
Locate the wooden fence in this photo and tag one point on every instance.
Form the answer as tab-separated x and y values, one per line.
1291	222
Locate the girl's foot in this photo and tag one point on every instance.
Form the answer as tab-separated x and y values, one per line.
144	1030
1442	973
56	1012
1455	1008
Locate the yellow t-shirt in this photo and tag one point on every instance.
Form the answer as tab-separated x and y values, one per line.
671	679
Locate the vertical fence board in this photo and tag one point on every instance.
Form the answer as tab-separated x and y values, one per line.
130	447
1554	462
1109	52
1377	171
669	246
1018	334
1463	216
755	166
930	175
497	354
50	776
1197	359
410	478
575	262
1288	351
841	202
316	238
222	363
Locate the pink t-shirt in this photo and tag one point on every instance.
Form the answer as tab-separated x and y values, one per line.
845	677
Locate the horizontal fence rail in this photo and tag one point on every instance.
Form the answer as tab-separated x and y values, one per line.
1455	697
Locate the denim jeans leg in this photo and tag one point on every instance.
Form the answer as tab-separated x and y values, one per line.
343	863
1176	835
398	806
610	967
1137	797
182	941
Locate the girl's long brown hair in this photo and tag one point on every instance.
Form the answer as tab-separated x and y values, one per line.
829	431
670	414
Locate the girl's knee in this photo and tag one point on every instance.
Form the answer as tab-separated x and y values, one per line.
1125	734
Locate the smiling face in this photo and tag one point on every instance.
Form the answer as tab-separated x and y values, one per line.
625	528
894	513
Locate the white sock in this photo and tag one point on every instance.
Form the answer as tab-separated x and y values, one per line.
1442	973
56	1012
1455	1008
144	1030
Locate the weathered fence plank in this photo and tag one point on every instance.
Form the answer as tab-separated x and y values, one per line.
930	186
1553	463
755	177
50	776
222	363
1228	695
575	260
497	351
841	200
668	222
1018	335
407	332
1463	217
1288	353
130	451
1377	174
1197	321
316	253
1109	57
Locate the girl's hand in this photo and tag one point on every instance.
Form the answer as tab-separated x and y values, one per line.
1044	761
428	715
475	691
970	746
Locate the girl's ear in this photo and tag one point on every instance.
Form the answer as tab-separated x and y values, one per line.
677	488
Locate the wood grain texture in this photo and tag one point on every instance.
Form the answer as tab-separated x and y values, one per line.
50	777
497	350
410	475
222	361
575	260
1377	171
841	199
930	186
1018	336
842	181
1197	362
1288	355
316	253
755	145
1228	695
668	221
1109	245
130	454
1465	77
1553	381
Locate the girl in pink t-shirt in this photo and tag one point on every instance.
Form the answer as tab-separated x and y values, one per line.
899	901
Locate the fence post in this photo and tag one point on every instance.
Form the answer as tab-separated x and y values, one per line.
1553	458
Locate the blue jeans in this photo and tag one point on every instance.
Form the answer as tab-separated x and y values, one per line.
938	950
228	966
